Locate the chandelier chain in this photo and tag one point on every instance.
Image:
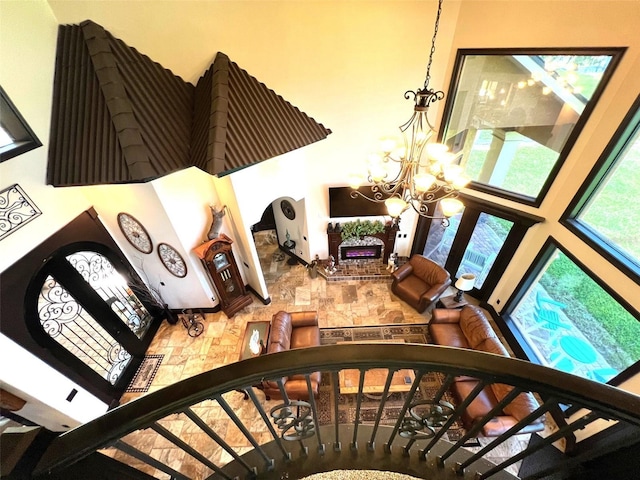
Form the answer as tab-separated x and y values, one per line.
433	45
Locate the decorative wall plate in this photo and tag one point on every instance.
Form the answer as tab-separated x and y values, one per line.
287	209
135	233
172	260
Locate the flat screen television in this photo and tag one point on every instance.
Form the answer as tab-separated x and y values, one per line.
342	205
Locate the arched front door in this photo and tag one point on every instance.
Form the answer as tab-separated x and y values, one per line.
82	306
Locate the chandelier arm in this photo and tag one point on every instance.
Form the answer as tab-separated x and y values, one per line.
377	197
386	189
423	212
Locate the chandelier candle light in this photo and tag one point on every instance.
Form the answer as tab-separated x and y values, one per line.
414	183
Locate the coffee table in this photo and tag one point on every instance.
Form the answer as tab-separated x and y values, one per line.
374	381
262	327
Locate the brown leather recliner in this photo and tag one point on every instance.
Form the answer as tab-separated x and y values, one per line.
289	331
420	282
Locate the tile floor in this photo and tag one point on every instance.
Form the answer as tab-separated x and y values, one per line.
346	303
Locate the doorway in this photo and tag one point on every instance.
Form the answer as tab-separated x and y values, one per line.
84	308
76	303
480	240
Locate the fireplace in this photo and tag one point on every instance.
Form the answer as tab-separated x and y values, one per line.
360	252
375	247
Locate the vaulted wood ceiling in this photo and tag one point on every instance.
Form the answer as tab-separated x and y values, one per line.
120	117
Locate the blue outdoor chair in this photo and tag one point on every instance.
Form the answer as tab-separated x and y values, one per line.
546	313
564	364
602	375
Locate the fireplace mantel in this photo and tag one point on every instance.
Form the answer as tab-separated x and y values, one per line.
388	237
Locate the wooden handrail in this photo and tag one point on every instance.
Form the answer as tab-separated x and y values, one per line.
607	401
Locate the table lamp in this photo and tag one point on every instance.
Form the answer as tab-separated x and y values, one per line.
464	284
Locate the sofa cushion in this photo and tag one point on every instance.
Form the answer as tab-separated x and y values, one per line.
475	325
303	337
521	406
429	271
411	289
492	345
448	334
479	407
280	333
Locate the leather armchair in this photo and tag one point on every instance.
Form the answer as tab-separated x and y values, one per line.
289	331
420	282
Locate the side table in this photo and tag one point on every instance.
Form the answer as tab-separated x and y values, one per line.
450	302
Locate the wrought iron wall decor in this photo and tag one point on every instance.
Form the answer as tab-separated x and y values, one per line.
172	260
135	233
16	210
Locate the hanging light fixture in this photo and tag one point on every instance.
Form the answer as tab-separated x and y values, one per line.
426	172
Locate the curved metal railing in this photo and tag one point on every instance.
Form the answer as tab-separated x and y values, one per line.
297	421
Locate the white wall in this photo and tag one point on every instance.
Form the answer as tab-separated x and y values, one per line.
28	32
45	390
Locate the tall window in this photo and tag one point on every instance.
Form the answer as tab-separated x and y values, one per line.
605	212
15	135
514	115
569	321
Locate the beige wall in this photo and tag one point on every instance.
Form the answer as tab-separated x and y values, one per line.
563	24
345	63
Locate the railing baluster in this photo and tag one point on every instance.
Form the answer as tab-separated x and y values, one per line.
149	460
477	426
218	439
160	430
383	401
456	415
405	407
229	411
337	446
354	442
314	411
267	421
283	392
541	410
422	420
572	427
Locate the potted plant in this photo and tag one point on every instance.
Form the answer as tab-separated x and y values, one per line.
358	229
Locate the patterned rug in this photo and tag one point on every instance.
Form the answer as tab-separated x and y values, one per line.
429	385
145	374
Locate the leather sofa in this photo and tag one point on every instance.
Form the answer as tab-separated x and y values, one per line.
289	331
420	282
469	327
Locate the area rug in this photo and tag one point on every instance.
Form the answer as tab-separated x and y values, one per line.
145	374
429	385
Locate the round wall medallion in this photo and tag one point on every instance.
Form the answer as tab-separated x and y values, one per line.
287	209
135	233
172	260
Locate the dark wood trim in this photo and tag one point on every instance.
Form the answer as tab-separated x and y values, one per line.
616	56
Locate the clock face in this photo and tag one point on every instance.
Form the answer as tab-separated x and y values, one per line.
172	260
135	233
287	209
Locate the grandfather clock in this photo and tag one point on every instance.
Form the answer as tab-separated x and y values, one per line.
218	259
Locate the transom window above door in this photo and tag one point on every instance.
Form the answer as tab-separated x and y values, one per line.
513	115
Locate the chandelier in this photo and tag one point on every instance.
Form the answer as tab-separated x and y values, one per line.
418	173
